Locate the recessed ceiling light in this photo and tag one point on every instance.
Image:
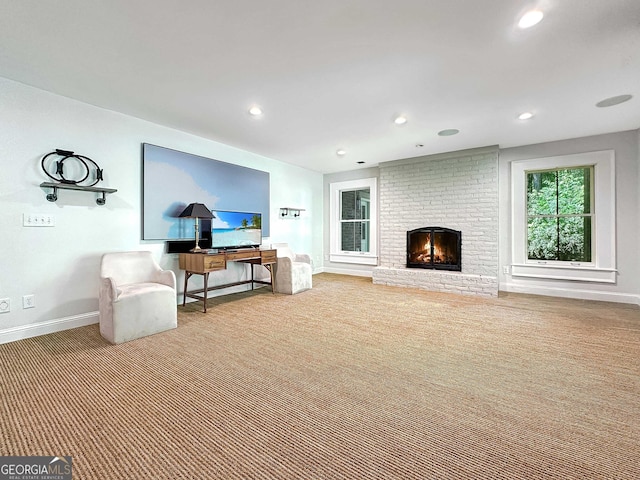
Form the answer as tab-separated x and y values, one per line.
419	145
525	116
610	102
341	152
530	18
400	120
448	132
255	111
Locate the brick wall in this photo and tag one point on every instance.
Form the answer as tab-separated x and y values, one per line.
458	191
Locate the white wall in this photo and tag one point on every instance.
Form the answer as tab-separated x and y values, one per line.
60	265
627	170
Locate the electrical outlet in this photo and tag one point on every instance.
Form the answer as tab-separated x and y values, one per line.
38	220
5	305
28	301
505	269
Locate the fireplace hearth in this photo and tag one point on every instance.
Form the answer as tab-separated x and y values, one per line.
435	248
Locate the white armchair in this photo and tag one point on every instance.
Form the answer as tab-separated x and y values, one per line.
137	297
293	270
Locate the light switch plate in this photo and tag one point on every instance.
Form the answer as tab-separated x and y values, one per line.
38	220
28	301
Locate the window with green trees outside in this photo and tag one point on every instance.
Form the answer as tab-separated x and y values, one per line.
560	214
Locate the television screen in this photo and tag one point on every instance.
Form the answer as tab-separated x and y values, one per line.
236	229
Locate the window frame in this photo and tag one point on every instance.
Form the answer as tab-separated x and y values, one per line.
602	268
590	215
336	254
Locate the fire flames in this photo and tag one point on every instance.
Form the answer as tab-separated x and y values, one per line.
423	255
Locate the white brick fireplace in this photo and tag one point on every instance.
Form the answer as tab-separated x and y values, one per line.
458	190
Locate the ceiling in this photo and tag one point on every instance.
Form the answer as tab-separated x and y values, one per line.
334	74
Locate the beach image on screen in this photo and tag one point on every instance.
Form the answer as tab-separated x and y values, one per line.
236	229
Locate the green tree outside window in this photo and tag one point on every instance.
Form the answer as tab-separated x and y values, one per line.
559	214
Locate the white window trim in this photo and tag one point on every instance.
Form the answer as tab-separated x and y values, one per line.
603	267
335	253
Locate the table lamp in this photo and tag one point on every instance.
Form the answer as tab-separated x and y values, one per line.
197	211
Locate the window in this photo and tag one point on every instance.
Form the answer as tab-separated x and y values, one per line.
355	207
353	222
559	218
563	217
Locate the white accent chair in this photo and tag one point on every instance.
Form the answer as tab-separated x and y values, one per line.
137	298
293	270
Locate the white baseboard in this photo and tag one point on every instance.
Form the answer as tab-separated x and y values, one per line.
348	271
50	326
572	293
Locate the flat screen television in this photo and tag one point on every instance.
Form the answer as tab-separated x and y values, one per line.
230	230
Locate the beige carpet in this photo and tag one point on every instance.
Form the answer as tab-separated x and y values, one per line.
348	380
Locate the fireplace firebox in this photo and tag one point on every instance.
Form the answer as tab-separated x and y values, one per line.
435	248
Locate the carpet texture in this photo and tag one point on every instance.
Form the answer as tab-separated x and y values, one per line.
349	380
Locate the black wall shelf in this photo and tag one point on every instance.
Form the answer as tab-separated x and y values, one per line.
290	212
52	197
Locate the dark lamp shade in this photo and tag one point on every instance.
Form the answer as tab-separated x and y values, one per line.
196	210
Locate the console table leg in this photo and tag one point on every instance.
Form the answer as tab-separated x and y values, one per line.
184	294
206	287
273	279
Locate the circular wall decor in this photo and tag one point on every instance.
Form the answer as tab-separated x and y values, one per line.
60	156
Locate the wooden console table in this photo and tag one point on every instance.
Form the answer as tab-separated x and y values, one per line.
205	263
